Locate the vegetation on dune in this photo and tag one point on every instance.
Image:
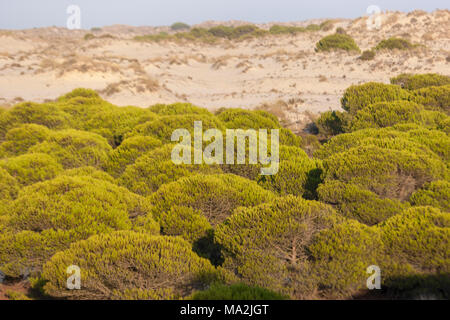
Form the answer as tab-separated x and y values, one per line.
395	43
86	183
419	81
132	266
337	42
177	26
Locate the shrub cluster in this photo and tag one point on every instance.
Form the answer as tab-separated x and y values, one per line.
337	41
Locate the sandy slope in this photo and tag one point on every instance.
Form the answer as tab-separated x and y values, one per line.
41	64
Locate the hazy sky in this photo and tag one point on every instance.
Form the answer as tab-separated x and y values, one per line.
22	14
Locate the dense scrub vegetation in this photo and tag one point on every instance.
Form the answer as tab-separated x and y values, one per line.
86	183
337	41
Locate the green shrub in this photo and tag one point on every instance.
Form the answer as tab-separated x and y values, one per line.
31	168
387	114
419	81
277	29
191	206
155	168
18	140
46	115
436	194
387	172
89	172
178	26
238	291
395	43
9	187
177	109
73	148
266	245
331	123
341	256
313	27
247	119
419	237
130	149
434	98
88	36
163	127
368	55
129	265
362	205
337	41
421	140
357	97
48	216
79	93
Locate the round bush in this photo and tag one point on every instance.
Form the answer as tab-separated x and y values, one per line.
238	291
177	109
436	194
9	187
129	150
337	41
73	148
18	140
31	168
129	265
357	97
419	81
193	205
267	245
48	216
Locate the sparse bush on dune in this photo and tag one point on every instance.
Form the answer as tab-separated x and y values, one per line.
74	148
48	216
418	81
337	42
277	29
177	26
395	43
367	55
132	265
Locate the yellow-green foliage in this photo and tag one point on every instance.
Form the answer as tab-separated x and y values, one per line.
48	216
163	127
129	265
28	112
331	123
74	148
247	119
88	172
18	140
155	168
31	168
177	109
386	114
436	194
337	41
434	98
128	151
395	43
399	137
237	291
417	81
341	256
419	237
191	206
386	172
362	205
357	97
277	29
9	187
267	245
